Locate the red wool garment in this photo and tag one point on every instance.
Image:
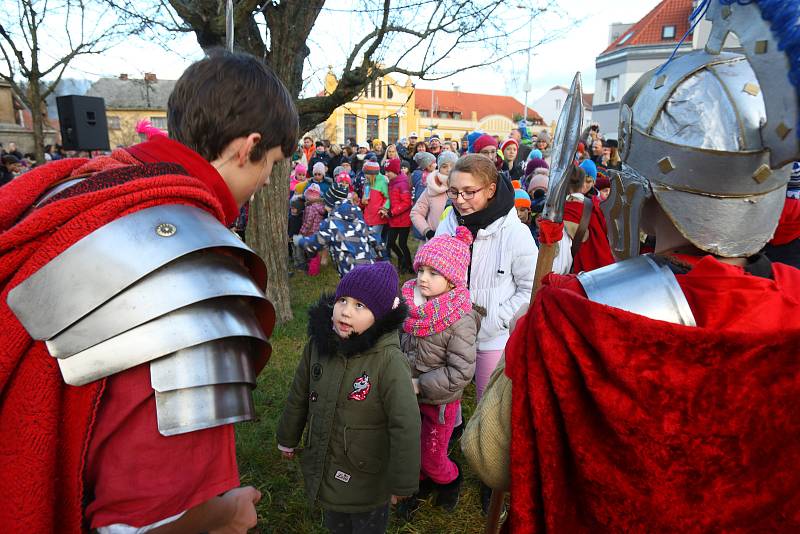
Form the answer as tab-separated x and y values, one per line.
625	424
789	224
45	425
594	252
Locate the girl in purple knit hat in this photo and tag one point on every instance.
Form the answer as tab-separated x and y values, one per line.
439	341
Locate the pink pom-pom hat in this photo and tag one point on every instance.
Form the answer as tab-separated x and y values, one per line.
450	255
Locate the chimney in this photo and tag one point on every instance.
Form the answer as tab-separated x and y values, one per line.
150	77
123	76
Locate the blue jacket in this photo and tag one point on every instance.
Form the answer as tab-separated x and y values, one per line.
346	236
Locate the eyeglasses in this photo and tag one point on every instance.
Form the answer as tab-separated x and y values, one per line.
466	195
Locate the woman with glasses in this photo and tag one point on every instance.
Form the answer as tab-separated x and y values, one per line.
500	276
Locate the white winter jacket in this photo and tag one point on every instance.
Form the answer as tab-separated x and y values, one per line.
501	274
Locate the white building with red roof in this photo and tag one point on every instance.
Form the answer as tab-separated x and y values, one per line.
632	51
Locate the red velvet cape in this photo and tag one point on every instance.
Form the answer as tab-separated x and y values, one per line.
45	425
789	224
625	424
594	252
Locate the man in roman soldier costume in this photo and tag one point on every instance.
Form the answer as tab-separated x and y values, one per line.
659	393
134	320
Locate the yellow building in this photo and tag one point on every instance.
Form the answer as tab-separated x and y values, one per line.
129	100
389	111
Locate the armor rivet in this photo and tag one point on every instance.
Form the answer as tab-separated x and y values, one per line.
665	165
660	81
166	230
751	89
782	130
762	173
726	12
761	47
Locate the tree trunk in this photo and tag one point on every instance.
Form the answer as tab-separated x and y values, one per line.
266	234
38	120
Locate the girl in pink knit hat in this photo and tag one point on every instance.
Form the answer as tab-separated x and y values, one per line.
439	341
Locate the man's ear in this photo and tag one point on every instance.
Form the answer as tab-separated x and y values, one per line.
243	154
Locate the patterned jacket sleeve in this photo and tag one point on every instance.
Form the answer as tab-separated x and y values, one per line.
323	238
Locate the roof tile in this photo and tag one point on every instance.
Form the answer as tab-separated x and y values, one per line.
466	103
648	31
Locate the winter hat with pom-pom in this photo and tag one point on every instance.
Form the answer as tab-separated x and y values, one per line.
522	199
535	153
376	286
319	167
590	168
300	169
482	142
424	159
534	164
450	255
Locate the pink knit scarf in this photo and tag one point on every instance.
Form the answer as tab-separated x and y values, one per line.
437	314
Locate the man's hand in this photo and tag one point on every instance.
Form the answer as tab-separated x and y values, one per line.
242	501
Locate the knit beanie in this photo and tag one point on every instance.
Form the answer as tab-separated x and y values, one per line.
423	159
590	168
509	141
533	164
450	255
446	158
319	167
522	199
471	138
535	153
376	286
482	142
336	193
300	187
300	169
344	178
515	184
602	181
392	165
538	181
371	167
338	170
297	203
312	191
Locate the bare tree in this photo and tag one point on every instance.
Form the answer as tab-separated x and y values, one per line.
426	39
38	41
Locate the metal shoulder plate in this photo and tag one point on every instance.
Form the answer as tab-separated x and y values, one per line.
639	285
168	285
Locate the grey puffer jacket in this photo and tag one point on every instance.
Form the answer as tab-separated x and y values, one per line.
444	363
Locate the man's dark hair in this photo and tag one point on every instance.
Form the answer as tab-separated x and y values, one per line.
319	144
229	95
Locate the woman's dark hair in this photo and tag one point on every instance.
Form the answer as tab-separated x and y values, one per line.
577	179
229	95
478	166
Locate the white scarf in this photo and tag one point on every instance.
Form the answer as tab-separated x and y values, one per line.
433	186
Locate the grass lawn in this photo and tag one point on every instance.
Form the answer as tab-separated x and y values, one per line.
283	508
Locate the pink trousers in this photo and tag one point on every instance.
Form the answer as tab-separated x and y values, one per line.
313	265
485	363
437	427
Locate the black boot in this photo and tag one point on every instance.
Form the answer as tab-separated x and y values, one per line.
406	508
425	488
486	497
455	436
448	493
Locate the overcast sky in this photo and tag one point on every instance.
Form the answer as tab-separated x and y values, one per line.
551	64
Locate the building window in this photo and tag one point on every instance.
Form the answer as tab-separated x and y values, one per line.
424	113
668	32
625	39
372	127
380	88
457	115
114	123
443	115
350	127
389	92
159	122
558	104
394	128
611	88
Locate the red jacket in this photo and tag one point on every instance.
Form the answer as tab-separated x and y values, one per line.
400	202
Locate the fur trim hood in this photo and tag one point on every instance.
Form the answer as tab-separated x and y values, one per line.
328	342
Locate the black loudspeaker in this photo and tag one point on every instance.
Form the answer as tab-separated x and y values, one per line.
83	122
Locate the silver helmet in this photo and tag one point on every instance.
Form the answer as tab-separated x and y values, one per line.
709	136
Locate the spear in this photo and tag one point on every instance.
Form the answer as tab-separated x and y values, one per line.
551	223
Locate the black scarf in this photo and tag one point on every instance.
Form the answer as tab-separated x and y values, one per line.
499	206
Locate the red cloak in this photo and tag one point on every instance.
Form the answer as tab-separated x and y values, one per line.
45	425
789	224
595	252
625	424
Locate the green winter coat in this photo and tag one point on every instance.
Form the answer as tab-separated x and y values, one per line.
356	397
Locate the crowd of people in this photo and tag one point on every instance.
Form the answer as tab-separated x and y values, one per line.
656	392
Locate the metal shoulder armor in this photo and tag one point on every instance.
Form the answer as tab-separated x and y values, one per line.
168	285
639	285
